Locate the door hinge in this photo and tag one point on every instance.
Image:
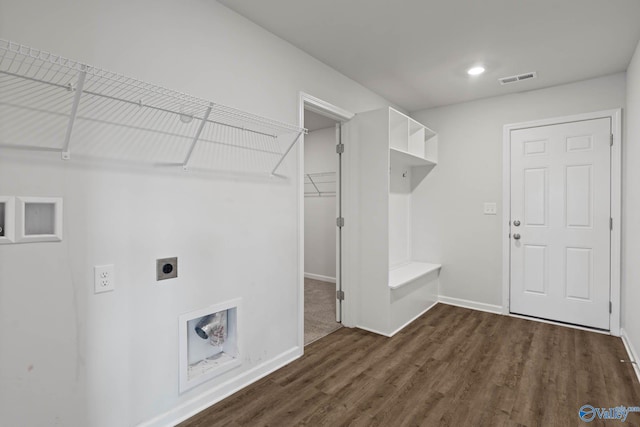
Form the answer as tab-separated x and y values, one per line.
340	222
340	295
610	307
340	148
610	223
611	140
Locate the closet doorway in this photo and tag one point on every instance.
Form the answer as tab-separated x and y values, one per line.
322	172
321	307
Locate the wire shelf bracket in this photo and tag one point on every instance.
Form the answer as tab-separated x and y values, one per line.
82	75
195	138
54	104
273	172
321	184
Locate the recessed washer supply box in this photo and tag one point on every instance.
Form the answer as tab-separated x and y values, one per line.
39	219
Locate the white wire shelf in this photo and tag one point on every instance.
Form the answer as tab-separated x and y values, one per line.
320	184
50	103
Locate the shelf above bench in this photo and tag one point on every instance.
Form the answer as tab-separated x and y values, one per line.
400	157
406	273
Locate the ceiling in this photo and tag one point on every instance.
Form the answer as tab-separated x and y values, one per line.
415	53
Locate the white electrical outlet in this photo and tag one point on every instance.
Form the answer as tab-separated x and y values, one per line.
104	278
490	208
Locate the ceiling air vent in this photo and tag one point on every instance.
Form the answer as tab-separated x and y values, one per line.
518	78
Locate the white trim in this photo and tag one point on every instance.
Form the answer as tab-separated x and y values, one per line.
473	305
20	220
375	331
412	319
616	199
496	309
616	214
506	217
212	396
9	219
320	277
326	109
631	351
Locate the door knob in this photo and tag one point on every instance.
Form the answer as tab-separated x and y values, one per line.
516	223
516	236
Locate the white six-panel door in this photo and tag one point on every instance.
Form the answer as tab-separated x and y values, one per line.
560	231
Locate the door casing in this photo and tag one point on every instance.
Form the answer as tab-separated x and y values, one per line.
321	107
616	206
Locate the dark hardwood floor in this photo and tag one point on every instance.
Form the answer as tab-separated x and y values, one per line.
451	367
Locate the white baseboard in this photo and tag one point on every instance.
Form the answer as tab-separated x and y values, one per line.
631	351
497	309
413	318
375	331
458	302
212	396
401	327
320	277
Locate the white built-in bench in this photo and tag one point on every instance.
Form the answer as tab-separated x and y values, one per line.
406	273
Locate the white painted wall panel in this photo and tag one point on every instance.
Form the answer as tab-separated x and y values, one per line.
535	197
399	216
535	269
579	191
579	143
578	273
532	148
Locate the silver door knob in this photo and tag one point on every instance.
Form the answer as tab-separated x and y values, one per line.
516	236
516	223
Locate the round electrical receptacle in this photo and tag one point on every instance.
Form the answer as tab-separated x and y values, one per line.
167	268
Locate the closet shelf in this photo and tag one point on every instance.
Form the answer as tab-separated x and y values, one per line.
50	103
401	157
406	273
320	184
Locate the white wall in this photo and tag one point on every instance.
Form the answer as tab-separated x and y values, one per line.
448	223
631	206
399	216
72	358
320	212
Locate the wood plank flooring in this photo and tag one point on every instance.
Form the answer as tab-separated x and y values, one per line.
451	367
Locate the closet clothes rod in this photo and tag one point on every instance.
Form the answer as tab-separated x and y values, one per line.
323	194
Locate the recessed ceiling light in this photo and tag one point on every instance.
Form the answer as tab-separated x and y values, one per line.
475	71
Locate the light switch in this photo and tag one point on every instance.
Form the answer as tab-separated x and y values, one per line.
490	208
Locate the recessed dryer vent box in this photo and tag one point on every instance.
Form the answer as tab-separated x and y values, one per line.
209	343
39	219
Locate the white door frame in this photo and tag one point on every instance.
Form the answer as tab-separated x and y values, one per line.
326	109
616	196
